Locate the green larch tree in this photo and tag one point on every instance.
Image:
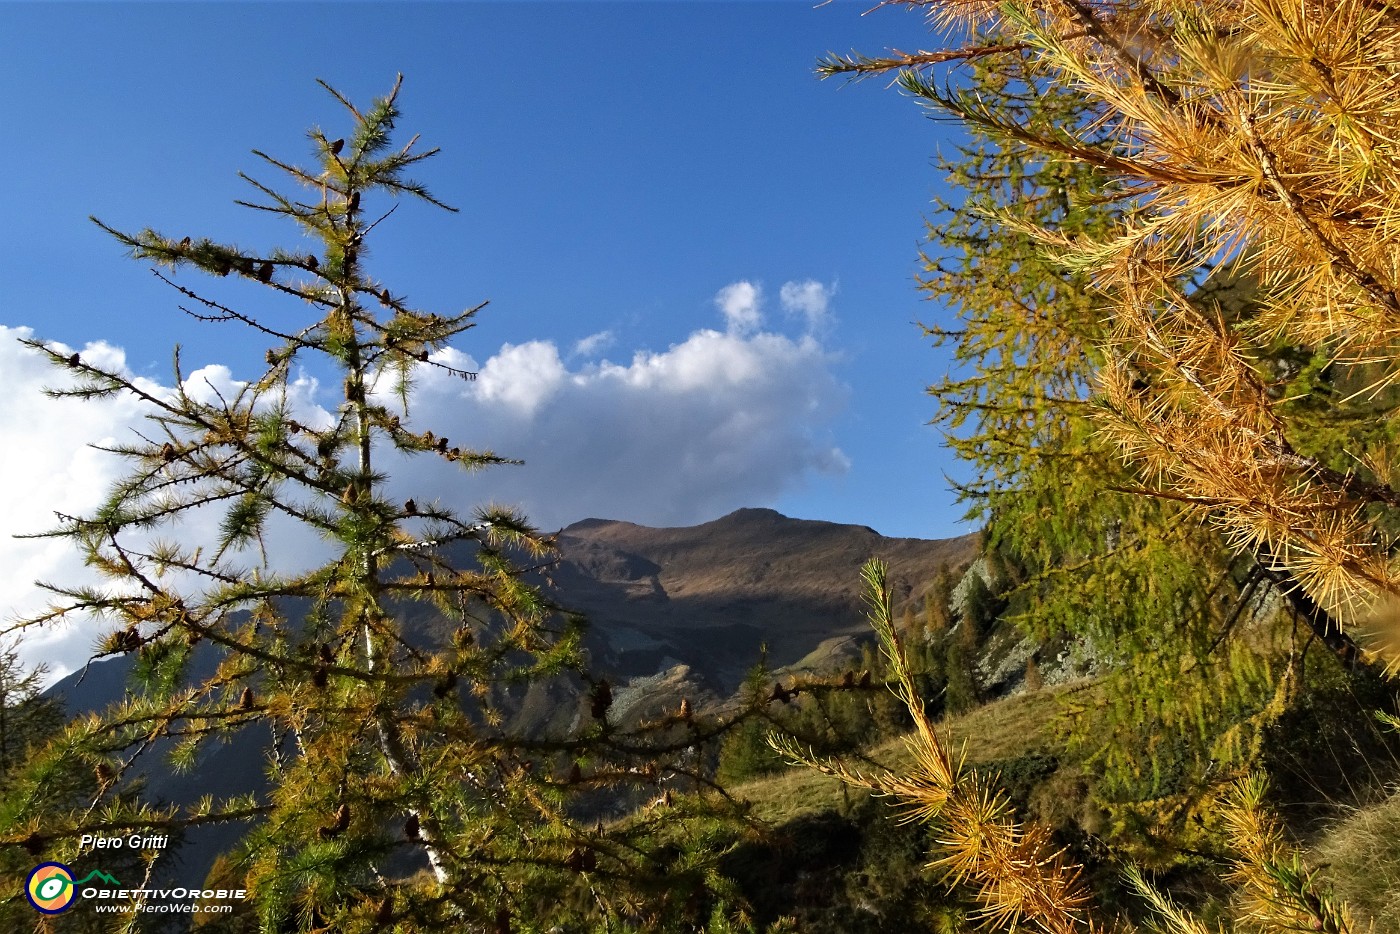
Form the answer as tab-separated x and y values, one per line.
400	795
26	716
1020	879
1200	652
1230	143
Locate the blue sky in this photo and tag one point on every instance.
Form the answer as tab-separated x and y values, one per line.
620	168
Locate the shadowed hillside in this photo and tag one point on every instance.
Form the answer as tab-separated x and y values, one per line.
709	596
673	613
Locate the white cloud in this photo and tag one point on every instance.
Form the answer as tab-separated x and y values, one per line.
594	343
715	422
49	468
46	469
809	299
210	383
519	379
741	303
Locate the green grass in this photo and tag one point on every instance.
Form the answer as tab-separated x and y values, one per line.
1005	729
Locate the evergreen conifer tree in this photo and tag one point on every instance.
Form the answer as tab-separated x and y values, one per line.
389	741
1137	580
1229	143
26	716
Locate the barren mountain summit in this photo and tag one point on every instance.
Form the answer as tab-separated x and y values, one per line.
711	595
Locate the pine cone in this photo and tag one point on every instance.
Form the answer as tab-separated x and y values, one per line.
385	913
335	146
338	825
602	700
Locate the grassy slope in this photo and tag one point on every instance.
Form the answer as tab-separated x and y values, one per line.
1361	856
1004	729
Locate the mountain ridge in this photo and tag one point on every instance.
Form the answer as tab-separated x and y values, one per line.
756	575
681	612
707	595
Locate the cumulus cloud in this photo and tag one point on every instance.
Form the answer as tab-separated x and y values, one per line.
810	300
720	420
740	303
713	423
49	467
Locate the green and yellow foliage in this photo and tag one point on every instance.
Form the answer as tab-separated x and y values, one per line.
399	795
1013	871
1174	292
1244	140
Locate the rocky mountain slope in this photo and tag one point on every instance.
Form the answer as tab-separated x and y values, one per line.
709	596
672	612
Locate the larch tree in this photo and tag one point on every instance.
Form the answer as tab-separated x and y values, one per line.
1129	335
1246	140
27	717
1020	879
1133	580
400	794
